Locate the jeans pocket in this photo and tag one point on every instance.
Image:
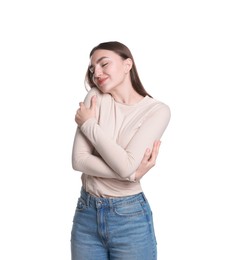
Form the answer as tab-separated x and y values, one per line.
81	205
80	209
129	210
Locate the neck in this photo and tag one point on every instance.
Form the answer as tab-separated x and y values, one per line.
126	95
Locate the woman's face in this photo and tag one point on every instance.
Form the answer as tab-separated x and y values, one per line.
109	70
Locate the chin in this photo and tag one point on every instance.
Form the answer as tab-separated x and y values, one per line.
103	89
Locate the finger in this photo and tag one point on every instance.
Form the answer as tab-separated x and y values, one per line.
155	150
76	118
157	145
81	104
146	155
93	102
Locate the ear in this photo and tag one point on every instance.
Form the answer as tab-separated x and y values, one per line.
128	65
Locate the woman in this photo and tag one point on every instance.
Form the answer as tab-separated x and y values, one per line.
118	123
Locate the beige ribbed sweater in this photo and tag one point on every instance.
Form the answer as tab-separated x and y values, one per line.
109	149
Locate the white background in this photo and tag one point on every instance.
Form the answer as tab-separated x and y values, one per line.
185	54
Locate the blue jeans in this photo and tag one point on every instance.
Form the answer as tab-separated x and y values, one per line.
113	229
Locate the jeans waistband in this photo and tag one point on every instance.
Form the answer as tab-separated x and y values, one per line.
91	200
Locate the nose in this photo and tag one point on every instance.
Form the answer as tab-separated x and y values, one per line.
97	72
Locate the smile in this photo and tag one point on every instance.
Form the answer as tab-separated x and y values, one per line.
101	81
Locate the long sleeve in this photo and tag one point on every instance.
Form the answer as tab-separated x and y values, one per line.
108	149
124	161
84	160
83	157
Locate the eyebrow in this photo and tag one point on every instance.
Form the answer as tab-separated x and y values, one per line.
100	59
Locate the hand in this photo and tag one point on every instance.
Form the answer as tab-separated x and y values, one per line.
84	113
148	161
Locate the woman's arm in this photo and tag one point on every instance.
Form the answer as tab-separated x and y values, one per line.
84	160
148	161
83	157
123	161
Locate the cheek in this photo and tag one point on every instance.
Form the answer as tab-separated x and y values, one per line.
117	72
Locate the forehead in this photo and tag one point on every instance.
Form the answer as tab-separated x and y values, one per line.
98	55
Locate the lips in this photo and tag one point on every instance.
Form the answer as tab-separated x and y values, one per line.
101	81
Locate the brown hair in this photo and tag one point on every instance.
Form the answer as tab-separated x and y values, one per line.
124	52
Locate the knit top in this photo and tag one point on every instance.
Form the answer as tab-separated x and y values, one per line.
109	148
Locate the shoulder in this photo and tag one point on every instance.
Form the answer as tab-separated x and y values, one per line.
93	91
163	107
103	100
158	106
157	111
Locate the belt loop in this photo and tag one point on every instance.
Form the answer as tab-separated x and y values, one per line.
88	199
111	205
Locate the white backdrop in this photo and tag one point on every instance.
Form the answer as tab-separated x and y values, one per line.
185	54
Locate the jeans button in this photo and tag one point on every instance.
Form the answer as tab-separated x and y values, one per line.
99	203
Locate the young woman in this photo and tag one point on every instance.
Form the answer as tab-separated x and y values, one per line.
114	147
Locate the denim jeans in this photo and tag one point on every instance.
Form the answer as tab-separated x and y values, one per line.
113	229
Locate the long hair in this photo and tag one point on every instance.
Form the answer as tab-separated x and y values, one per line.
124	52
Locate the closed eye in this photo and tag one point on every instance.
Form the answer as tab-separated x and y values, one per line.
92	68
